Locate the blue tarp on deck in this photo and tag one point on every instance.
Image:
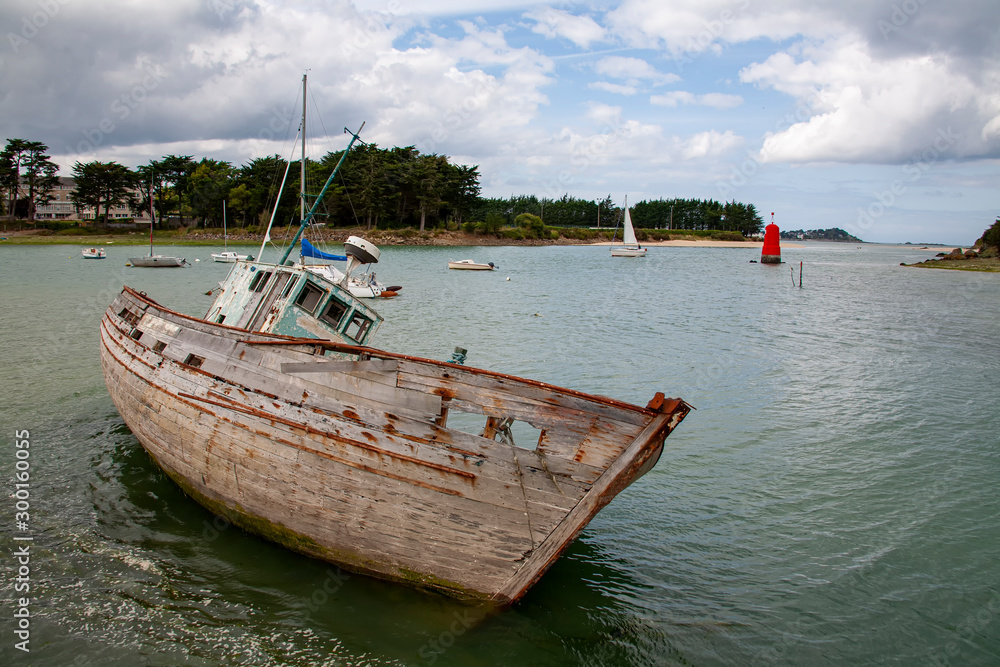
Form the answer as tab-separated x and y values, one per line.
309	250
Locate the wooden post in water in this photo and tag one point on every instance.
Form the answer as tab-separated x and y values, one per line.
800	275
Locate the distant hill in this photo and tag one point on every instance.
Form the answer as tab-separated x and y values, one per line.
835	234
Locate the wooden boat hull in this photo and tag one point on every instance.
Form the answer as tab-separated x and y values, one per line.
345	453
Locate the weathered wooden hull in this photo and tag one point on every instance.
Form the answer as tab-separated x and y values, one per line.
349	457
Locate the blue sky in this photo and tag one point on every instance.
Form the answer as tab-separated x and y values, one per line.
882	118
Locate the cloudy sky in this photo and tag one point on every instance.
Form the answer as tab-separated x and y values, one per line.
881	117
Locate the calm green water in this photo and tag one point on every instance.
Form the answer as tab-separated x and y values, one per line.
833	500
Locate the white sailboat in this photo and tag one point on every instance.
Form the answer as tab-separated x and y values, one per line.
630	245
227	256
151	260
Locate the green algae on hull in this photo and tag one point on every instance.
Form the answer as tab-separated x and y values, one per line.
303	544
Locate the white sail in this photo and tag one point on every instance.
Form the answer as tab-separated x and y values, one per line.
630	240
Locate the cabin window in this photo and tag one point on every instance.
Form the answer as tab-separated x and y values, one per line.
358	327
309	297
288	288
334	312
129	316
136	334
160	346
260	281
222	318
194	361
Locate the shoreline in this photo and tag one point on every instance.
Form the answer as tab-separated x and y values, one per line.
705	243
388	237
379	237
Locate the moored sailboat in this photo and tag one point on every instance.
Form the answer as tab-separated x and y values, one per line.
153	260
227	256
630	244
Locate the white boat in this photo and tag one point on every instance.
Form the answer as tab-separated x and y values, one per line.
94	253
152	261
630	245
227	256
157	261
358	252
470	265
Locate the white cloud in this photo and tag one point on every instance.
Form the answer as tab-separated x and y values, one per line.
616	88
679	97
855	107
673	98
693	27
634	72
710	144
553	23
632	69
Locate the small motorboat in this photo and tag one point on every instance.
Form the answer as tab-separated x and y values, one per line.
94	253
470	265
228	257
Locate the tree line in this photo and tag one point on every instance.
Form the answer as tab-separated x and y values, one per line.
376	188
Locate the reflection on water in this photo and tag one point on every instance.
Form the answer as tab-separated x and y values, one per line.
831	500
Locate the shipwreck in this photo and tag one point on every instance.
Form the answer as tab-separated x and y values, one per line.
274	412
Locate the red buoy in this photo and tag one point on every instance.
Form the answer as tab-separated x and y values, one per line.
771	252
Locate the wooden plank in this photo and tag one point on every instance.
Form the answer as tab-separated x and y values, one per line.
464	381
371	365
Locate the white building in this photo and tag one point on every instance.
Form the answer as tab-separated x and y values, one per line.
62	206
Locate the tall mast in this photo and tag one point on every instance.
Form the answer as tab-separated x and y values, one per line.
151	218
308	216
302	166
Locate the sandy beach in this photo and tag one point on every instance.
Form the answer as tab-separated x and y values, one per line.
705	244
